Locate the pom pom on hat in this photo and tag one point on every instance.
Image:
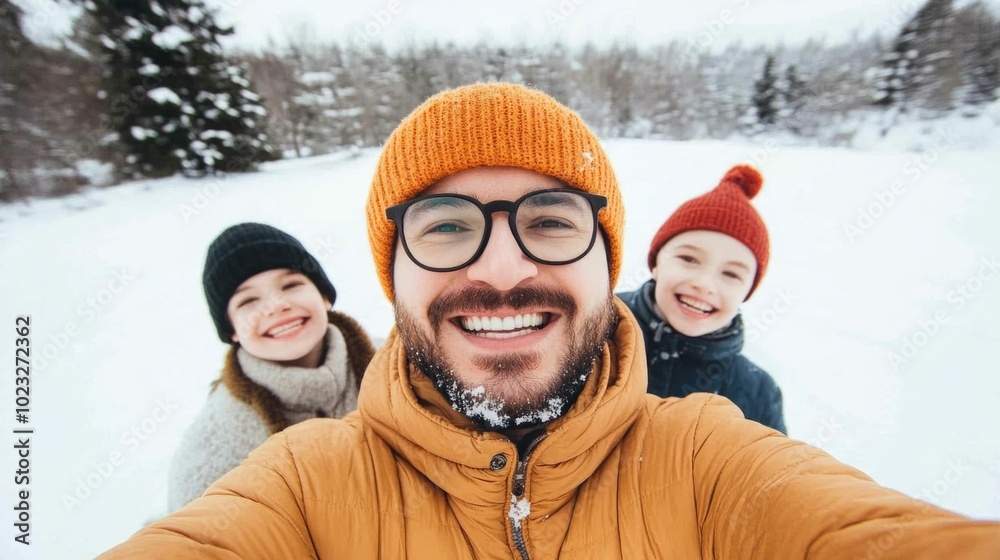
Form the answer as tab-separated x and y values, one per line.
725	209
746	178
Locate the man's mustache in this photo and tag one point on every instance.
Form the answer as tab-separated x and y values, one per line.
483	299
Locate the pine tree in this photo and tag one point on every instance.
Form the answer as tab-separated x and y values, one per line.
765	97
379	87
14	144
176	103
896	77
921	69
43	113
794	90
979	33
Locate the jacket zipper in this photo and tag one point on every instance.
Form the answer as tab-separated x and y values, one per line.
517	491
669	373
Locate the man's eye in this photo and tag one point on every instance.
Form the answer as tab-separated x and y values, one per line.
551	223
444	227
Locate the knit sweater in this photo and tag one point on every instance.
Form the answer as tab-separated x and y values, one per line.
255	398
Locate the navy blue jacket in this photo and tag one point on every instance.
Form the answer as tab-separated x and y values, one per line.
680	365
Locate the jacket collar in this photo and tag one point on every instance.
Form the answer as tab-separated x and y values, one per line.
723	343
404	408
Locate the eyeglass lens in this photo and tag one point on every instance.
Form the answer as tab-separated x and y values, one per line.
447	231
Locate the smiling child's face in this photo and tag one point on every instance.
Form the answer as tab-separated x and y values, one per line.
701	279
280	316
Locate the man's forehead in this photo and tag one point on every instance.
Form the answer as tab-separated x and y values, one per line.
493	183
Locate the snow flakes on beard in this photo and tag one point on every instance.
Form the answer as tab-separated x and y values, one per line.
545	402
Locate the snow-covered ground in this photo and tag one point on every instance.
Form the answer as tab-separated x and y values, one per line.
877	316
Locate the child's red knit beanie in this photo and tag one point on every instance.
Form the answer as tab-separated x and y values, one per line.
725	209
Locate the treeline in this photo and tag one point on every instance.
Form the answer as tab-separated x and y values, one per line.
165	100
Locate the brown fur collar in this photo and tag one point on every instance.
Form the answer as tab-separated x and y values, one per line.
359	345
359	352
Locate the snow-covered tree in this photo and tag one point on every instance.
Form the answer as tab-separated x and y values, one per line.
174	100
978	33
792	93
44	113
793	90
765	95
380	88
275	78
922	68
15	139
329	101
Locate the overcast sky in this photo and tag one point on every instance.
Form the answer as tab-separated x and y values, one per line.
397	22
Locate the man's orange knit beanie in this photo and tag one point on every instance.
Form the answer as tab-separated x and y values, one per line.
493	124
725	209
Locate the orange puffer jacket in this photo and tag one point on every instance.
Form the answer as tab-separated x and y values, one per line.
621	475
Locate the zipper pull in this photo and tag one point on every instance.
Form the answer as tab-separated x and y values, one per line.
518	487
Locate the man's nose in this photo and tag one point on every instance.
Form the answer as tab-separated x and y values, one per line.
502	265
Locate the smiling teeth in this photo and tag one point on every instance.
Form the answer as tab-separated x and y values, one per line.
703	307
505	324
278	331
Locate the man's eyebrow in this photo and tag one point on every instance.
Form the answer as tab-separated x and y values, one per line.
432	203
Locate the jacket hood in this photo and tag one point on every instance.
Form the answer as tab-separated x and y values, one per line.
405	409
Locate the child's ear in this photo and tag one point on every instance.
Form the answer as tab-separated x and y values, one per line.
326	302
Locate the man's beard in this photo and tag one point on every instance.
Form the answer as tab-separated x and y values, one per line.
509	398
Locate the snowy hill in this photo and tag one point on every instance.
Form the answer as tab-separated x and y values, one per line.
877	316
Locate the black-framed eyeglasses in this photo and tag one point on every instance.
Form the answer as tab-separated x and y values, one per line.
446	232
